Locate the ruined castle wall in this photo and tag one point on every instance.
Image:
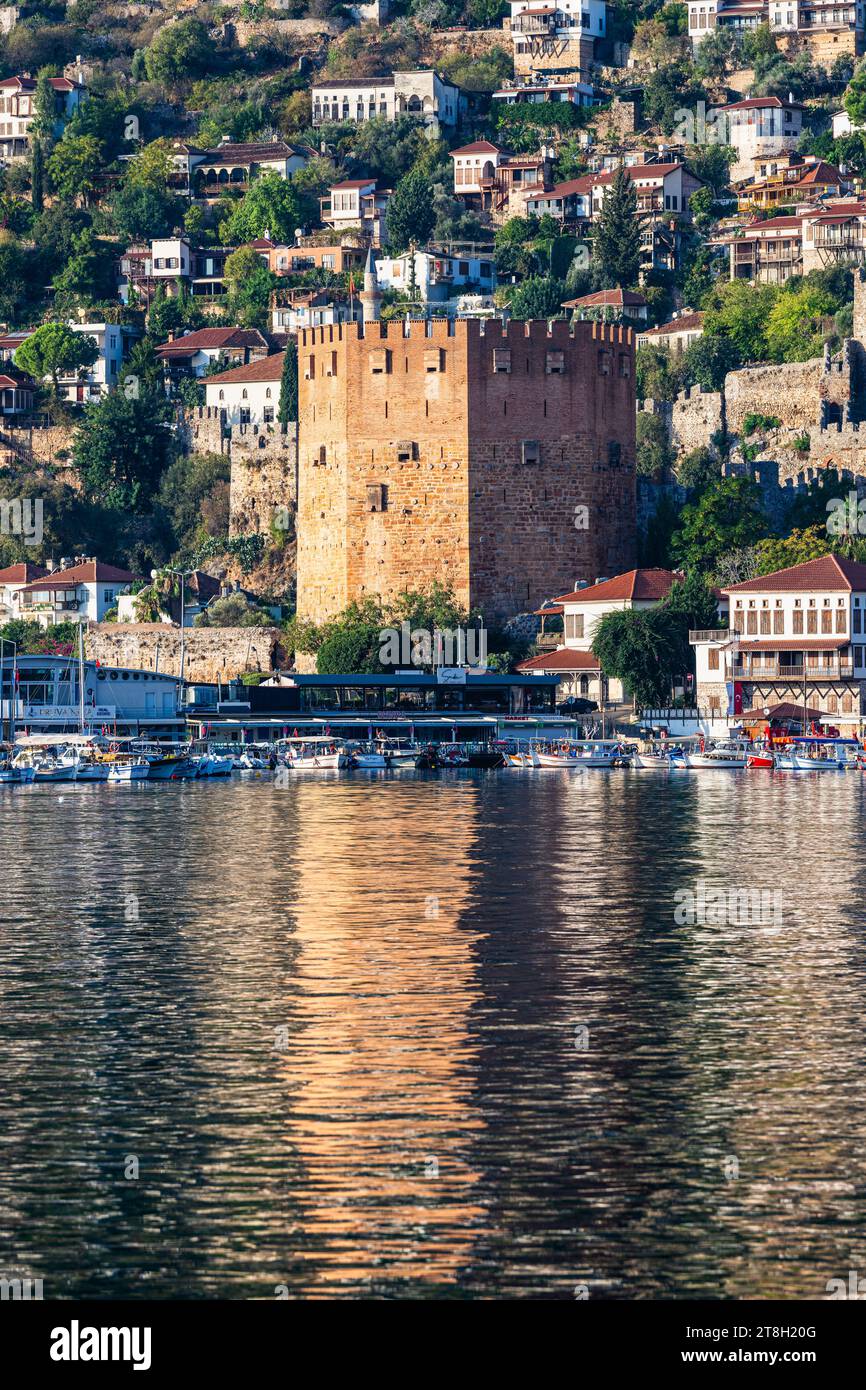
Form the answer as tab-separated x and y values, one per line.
460	453
790	392
696	417
263	490
212	653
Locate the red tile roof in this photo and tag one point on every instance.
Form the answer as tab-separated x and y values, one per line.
211	338
22	573
685	323
832	573
478	147
651	585
90	572
563	659
263	369
753	103
607	298
23	382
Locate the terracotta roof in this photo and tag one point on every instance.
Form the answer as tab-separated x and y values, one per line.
210	338
23	383
615	299
648	584
354	183
832	573
685	323
563	659
550	611
22	573
263	369
638	171
90	572
790	712
28	84
753	103
478	147
257	151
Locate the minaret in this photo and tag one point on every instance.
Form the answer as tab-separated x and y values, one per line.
371	295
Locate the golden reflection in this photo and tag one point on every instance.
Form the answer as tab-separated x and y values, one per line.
381	1061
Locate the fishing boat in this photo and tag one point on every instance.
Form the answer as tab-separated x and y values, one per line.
10	772
560	754
656	756
129	770
701	755
317	753
816	755
382	753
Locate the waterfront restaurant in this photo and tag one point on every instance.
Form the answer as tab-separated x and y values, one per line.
448	705
40	694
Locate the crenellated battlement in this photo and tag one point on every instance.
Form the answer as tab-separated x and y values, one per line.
512	333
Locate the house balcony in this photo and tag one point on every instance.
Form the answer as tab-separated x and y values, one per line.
774	670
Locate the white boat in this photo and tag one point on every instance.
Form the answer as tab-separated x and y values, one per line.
561	754
133	770
86	769
209	765
657	758
317	753
10	775
715	756
53	770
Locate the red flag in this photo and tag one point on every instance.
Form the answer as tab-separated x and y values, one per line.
351	283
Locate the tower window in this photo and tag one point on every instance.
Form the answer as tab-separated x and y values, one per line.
555	365
501	360
433	360
377	497
380	361
531	451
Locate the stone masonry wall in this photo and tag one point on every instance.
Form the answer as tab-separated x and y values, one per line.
212	653
264	480
696	416
790	392
461	453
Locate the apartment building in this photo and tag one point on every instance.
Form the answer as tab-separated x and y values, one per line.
436	275
423	93
555	38
356	205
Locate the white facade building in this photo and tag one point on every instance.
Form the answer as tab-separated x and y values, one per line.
796	636
759	126
437	274
18	109
422	93
248	395
84	591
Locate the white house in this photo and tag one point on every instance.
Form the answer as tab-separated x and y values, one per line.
18	109
248	395
421	93
582	611
83	591
206	173
16	395
437	274
292	310
192	354
94	382
796	636
676	335
13	579
758	126
356	204
559	36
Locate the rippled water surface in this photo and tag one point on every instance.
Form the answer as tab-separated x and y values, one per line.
390	1035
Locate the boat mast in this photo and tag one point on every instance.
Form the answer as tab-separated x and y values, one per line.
81	678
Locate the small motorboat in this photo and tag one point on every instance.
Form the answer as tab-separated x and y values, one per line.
319	753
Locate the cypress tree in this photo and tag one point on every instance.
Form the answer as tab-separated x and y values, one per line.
617	237
288	411
37	176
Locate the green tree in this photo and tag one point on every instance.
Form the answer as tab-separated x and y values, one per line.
538	298
697	471
616	244
411	215
140	213
54	350
179	53
658	374
739	311
778	553
652	450
643	649
718	53
37	175
122	448
854	99
44	105
288	409
707	361
727	516
795	326
75	166
352	641
270	207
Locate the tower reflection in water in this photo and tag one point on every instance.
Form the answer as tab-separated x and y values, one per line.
379	1058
